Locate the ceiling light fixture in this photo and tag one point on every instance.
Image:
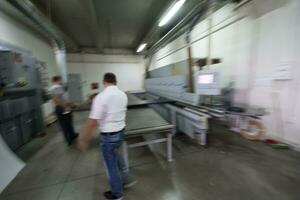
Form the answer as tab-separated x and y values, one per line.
141	47
172	11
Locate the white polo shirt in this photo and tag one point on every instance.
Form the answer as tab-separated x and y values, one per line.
109	109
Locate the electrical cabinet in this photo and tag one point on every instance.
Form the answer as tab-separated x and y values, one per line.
19	121
4	110
11	134
16	107
17	68
6	72
21	117
27	127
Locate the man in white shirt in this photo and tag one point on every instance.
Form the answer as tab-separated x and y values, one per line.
109	112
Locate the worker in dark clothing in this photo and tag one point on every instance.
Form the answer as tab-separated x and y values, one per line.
63	110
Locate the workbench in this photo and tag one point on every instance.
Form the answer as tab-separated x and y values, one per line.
143	121
133	102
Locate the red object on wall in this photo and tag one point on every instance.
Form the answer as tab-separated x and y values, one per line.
17	57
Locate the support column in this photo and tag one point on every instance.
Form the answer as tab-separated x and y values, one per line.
60	56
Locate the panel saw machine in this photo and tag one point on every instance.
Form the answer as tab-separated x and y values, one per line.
189	111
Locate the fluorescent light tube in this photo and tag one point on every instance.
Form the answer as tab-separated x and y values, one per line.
141	47
172	11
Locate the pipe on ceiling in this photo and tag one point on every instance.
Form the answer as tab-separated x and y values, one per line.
178	29
30	11
186	24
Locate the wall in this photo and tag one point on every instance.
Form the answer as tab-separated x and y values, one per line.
128	69
252	42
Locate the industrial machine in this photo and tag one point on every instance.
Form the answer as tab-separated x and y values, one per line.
20	97
189	111
196	98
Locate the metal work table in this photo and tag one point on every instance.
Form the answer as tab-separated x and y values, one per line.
133	102
143	121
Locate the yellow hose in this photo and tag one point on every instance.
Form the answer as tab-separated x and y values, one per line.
259	127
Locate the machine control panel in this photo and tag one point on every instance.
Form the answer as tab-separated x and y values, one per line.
207	82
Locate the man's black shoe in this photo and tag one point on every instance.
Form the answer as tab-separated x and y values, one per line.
109	196
75	136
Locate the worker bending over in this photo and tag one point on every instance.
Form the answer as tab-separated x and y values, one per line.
62	109
109	112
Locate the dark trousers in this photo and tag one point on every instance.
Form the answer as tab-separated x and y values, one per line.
66	123
117	171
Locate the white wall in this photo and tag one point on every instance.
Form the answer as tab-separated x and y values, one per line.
128	69
252	43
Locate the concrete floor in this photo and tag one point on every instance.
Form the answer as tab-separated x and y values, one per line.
230	168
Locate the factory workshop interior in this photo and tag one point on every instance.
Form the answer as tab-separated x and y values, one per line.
210	90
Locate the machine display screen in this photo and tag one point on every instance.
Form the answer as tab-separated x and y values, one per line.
206	79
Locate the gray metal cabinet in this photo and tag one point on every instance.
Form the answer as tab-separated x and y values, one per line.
21	117
15	107
16	121
7	72
4	110
11	134
37	114
19	106
27	127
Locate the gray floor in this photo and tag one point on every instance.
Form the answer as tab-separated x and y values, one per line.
230	168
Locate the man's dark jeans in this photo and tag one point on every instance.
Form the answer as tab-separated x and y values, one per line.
117	171
66	123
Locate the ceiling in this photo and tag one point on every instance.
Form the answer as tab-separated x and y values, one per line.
108	26
101	26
